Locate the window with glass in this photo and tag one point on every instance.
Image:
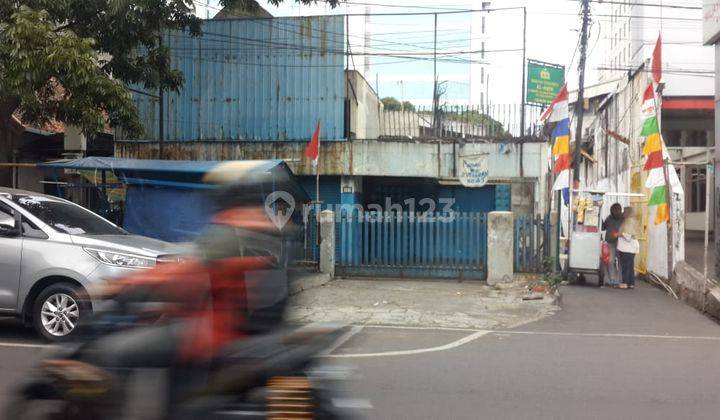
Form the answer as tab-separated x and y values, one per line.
698	182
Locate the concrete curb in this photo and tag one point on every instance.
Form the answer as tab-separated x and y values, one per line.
557	298
307	281
691	288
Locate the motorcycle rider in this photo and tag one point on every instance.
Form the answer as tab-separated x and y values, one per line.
206	302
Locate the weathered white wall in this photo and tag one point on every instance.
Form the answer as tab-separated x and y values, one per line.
365	107
500	247
629	39
74	138
376	158
399	124
327	242
29	179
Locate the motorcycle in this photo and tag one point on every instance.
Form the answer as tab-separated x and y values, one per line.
275	374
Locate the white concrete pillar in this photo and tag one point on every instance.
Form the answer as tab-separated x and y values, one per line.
327	242
500	251
75	140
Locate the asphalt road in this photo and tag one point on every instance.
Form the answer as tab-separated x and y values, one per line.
609	354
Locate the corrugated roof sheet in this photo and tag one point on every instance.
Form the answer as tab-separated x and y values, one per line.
254	79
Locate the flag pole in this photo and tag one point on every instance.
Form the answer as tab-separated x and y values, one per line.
317	172
317	190
668	193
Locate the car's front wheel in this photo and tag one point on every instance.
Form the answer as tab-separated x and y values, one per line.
57	311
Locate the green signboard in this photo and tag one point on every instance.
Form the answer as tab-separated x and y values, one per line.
544	81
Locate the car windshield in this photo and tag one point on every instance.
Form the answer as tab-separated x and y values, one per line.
66	217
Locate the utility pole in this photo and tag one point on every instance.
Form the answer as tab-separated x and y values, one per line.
435	87
581	92
715	204
522	100
579	114
161	112
367	40
524	67
161	124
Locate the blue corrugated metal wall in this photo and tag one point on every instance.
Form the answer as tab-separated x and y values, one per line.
330	196
465	199
255	79
470	199
503	197
329	189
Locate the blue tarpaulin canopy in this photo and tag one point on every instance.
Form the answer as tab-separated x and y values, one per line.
168	199
177	173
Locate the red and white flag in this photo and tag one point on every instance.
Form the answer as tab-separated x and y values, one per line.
648	105
657	60
312	151
558	109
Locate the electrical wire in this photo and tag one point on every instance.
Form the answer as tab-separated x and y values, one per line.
288	27
625	3
208	5
325	50
688	72
354	3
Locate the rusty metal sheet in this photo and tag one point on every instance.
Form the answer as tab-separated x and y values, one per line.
254	79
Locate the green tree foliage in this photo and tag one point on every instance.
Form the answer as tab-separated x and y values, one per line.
69	60
408	106
392	104
475	118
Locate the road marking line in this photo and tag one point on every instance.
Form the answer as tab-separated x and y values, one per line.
410	327
448	346
611	335
355	403
25	345
343	339
560	333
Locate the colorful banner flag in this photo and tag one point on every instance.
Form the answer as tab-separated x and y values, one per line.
558	113
648	106
655	153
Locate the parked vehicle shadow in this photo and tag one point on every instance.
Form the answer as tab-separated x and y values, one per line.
12	330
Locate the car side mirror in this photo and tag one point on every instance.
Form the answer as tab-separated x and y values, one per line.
10	231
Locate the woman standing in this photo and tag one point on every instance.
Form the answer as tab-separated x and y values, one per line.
611	225
627	246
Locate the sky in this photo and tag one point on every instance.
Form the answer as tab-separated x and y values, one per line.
552	36
553	24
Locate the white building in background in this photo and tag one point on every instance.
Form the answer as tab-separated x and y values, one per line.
627	37
479	69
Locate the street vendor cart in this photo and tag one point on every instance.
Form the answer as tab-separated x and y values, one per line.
585	237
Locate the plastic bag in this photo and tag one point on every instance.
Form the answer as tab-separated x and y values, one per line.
605	253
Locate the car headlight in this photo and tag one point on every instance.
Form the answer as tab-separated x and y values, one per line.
119	259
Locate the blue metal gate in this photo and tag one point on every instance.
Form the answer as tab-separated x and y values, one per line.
531	242
452	245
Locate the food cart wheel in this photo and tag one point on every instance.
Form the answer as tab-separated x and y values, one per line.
581	278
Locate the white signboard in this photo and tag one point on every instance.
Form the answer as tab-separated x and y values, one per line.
474	170
711	21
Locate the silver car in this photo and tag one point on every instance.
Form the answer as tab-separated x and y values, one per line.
52	250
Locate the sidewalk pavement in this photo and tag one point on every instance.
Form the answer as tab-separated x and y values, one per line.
299	280
420	303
